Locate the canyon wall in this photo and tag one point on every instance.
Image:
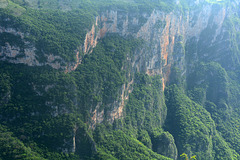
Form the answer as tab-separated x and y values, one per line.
166	34
174	44
170	39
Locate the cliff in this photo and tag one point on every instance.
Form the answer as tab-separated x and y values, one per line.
165	33
125	81
166	36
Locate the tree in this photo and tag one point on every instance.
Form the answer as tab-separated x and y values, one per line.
184	155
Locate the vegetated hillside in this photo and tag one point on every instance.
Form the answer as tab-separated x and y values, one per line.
110	79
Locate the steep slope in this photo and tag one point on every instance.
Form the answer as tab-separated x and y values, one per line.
146	79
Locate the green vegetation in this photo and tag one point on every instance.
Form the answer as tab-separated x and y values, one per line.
135	136
100	5
118	144
100	76
185	156
218	93
13	148
193	128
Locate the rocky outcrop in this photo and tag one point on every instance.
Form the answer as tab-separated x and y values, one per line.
165	145
25	52
115	109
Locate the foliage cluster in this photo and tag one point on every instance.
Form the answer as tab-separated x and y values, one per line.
218	93
193	127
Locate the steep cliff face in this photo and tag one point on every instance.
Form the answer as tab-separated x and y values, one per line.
165	33
118	76
174	40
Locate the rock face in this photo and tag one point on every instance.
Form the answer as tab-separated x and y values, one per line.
166	33
24	52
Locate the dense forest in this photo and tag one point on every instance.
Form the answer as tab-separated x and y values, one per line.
127	80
